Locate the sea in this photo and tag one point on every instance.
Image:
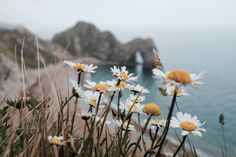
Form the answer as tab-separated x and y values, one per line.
211	51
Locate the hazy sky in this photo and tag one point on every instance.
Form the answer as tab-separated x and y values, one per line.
46	17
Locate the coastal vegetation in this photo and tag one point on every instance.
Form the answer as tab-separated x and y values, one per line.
97	119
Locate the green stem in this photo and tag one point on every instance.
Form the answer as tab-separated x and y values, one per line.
165	132
181	144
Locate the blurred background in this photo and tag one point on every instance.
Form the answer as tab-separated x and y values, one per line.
193	35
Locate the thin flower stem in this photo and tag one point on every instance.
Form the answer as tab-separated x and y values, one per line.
118	104
84	130
91	131
106	112
73	117
155	136
223	134
165	132
143	131
181	144
79	76
98	103
139	121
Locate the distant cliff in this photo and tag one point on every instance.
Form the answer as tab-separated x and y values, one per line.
86	40
82	40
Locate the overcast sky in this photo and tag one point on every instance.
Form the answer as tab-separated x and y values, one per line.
46	17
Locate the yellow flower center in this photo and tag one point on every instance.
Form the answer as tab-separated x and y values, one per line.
134	107
180	76
93	102
122	84
152	108
79	67
188	126
102	87
123	75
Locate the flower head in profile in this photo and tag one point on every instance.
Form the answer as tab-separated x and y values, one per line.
56	140
131	106
77	90
118	85
178	77
92	98
137	89
126	126
79	67
152	109
188	124
122	74
170	90
136	98
101	87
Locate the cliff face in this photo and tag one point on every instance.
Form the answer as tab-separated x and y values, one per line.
85	39
82	40
11	40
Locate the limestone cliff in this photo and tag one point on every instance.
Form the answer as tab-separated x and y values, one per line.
85	39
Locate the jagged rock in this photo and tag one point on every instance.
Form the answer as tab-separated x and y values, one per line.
85	39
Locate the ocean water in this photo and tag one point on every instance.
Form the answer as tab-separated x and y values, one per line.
195	51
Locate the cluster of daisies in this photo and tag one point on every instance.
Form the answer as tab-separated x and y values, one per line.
98	95
175	81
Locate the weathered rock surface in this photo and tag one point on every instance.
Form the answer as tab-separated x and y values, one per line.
11	40
85	39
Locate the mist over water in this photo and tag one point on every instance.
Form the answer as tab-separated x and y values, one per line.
195	51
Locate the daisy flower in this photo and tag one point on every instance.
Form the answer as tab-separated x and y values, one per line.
180	91
79	67
92	98
118	85
178	77
188	124
56	140
125	126
136	98
137	89
122	74
129	105
152	109
77	89
101	87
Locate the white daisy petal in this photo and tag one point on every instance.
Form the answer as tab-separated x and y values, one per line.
184	133
71	64
188	124
158	73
